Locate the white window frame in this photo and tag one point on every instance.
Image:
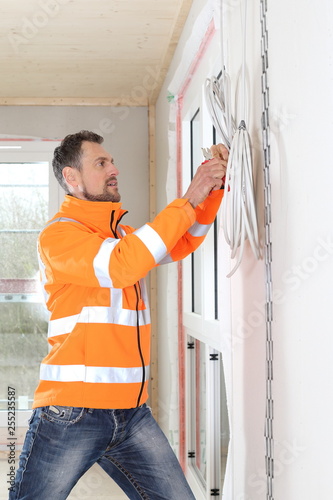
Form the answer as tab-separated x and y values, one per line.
30	151
203	327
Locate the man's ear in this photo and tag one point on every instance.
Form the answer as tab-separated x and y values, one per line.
70	175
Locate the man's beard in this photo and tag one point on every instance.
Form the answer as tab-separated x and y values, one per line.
105	196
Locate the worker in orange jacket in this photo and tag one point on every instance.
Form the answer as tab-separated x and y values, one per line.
90	404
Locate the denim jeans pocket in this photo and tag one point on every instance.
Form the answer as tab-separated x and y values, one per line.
32	416
65	415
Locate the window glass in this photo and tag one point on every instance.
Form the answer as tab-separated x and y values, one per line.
196	153
201	408
196	159
23	326
216	225
198	434
225	431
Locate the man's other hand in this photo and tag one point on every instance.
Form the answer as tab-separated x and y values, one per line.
209	176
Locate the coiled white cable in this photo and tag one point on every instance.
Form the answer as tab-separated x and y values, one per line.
218	97
239	218
217	100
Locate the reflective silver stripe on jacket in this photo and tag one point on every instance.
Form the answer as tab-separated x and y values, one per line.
195	230
102	260
61	219
167	260
97	314
152	240
114	314
43	278
199	229
92	374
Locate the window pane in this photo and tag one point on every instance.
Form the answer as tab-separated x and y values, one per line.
23	316
216	296
18	255
201	408
23	345
196	282
225	429
216	140
196	159
23	212
196	153
198	431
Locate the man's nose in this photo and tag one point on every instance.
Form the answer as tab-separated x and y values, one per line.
113	170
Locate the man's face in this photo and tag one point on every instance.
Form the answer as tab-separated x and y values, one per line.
97	178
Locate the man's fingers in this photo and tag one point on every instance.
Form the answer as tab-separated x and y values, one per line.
217	168
219	151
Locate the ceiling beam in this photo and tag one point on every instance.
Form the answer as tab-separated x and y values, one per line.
71	101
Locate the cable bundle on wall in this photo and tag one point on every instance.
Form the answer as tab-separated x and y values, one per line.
238	207
217	99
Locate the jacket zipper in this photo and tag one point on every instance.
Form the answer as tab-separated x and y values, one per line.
137	286
114	231
138	294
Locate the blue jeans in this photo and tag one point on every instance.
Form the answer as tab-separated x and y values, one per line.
63	442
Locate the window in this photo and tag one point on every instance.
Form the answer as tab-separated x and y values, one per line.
196	256
203	314
197	398
28	197
24	200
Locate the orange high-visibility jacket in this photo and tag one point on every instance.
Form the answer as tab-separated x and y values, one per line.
92	270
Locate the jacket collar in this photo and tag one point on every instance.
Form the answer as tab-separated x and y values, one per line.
96	215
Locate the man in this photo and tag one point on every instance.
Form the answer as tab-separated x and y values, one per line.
90	404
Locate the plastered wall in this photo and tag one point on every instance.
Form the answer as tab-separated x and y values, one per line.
125	132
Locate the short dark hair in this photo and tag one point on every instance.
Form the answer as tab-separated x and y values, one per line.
69	153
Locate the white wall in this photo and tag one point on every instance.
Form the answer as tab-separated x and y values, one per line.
300	79
301	75
125	132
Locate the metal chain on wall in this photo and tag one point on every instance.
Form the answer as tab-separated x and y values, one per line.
269	458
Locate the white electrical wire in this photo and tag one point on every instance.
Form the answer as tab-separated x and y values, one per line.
239	217
218	97
238	206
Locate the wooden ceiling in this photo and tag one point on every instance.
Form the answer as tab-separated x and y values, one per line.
101	52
